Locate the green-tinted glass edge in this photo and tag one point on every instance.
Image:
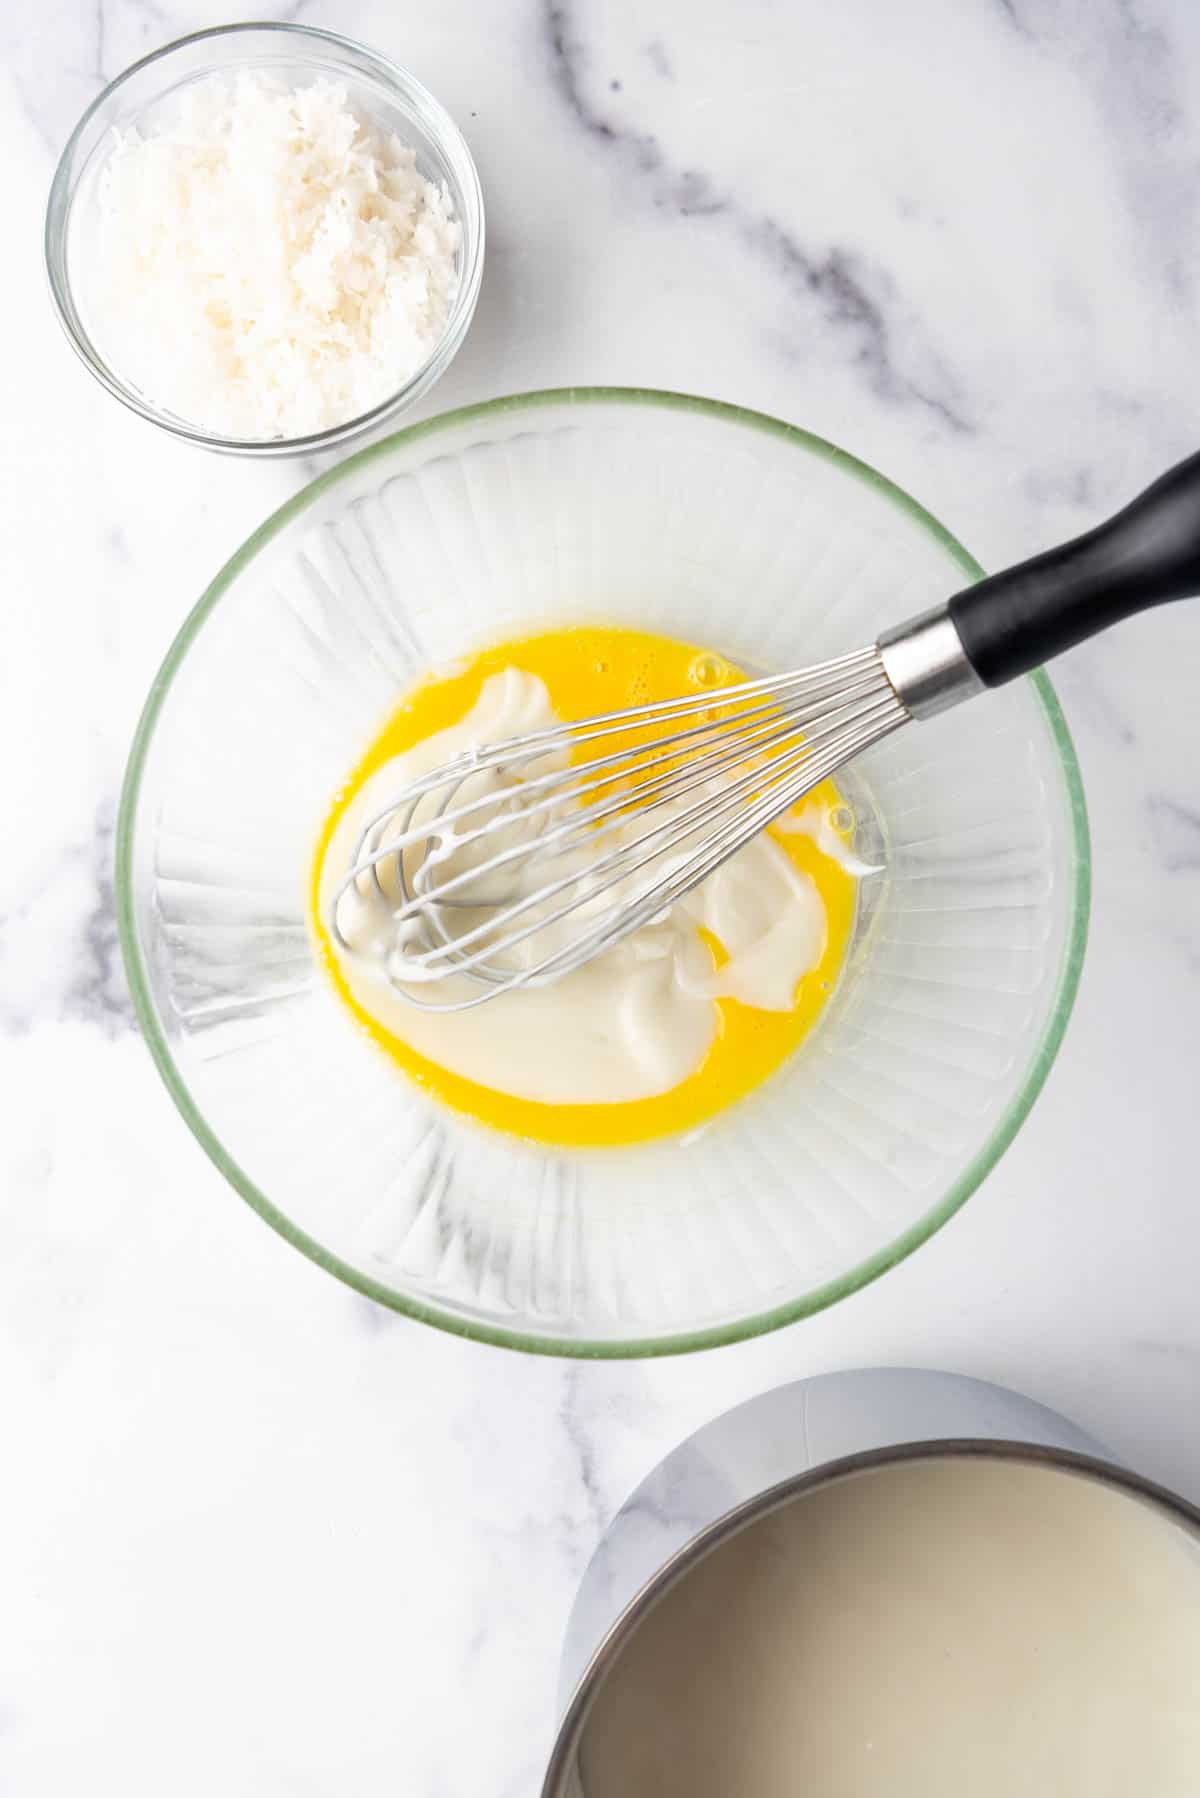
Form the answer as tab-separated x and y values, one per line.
688	1341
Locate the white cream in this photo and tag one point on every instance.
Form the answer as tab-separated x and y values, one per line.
630	1025
945	1629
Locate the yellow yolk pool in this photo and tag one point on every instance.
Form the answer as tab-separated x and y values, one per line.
580	672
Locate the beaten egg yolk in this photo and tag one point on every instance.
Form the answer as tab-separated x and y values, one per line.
589	670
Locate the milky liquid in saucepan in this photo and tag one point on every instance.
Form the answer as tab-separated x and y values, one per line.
938	1629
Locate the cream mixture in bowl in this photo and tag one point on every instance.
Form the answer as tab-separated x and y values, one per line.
693	1010
967	1620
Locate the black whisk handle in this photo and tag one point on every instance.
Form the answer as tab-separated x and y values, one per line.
1147	554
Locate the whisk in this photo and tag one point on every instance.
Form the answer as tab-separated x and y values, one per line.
517	863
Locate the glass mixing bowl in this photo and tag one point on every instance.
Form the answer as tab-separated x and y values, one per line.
709	523
296	55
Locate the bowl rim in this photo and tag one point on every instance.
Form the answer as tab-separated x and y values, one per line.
424	1311
469	206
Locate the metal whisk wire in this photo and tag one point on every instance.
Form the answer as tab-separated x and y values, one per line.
770	741
713	785
567	785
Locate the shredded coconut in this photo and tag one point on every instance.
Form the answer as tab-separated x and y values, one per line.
270	265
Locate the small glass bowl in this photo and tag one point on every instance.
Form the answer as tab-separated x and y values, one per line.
299	54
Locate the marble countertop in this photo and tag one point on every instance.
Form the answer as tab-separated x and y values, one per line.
258	1536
